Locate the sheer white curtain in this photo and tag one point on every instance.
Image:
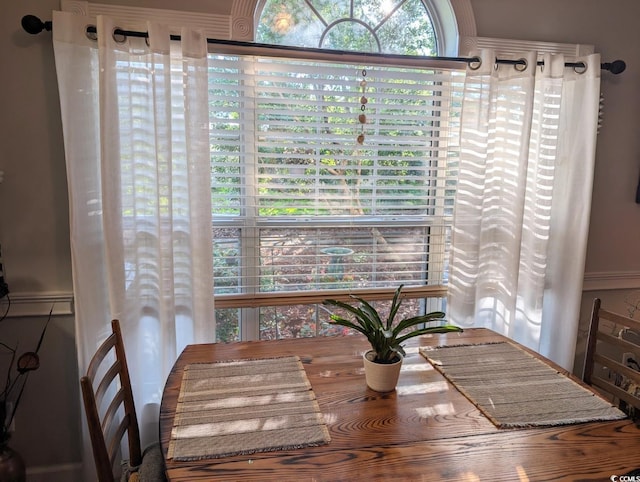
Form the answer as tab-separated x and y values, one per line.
135	120
523	202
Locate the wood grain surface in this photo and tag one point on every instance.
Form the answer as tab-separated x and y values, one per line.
425	430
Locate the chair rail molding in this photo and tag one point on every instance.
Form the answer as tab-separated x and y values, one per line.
611	280
37	304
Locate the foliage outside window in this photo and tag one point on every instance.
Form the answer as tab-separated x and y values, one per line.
382	26
299	205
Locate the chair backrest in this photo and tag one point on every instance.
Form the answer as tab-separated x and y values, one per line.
109	406
606	347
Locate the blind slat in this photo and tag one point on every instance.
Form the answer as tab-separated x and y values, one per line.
290	183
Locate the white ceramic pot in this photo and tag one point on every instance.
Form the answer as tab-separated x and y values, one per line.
381	377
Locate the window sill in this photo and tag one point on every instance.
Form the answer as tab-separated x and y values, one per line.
316	297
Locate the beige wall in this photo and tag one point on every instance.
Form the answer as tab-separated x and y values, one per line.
614	238
34	221
613	254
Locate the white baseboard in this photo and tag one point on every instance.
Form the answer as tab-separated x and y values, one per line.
71	472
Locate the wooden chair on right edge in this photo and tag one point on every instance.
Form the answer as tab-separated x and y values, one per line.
110	411
603	364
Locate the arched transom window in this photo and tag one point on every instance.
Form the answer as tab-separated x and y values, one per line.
401	27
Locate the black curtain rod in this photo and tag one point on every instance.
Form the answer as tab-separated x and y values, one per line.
33	25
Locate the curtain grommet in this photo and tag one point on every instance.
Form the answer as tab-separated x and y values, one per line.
91	32
580	68
474	63
118	36
521	65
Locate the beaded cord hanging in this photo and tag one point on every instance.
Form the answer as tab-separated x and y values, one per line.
362	117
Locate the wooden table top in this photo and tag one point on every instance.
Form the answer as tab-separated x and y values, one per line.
425	430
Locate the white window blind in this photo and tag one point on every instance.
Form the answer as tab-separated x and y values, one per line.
299	204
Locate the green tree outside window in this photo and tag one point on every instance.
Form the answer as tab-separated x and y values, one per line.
401	27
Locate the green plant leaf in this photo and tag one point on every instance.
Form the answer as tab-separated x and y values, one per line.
360	317
346	323
417	320
372	314
430	330
395	306
385	338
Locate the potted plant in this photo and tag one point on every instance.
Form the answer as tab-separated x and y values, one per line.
383	362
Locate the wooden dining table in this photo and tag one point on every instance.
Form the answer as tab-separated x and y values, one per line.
425	430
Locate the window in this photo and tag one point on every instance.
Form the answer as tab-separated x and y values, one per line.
381	26
304	207
302	212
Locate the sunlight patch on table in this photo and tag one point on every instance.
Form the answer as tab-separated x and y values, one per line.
469	477
416	367
434	410
418	388
522	474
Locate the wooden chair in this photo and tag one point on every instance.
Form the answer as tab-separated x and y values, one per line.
603	365
110	411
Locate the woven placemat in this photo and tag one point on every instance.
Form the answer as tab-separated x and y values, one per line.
243	407
514	389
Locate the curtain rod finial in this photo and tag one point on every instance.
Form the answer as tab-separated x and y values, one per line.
33	25
616	67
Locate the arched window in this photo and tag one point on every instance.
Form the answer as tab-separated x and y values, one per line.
400	27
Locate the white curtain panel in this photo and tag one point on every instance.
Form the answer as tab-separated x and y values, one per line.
521	219
135	121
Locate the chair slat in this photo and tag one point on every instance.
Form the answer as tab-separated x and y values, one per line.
597	340
616	391
620	320
109	426
617	367
112	411
106	381
625	345
100	354
116	438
